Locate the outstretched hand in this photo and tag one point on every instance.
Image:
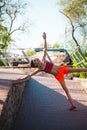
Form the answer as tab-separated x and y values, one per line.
44	35
21	80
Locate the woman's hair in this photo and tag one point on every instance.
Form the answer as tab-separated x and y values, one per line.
33	62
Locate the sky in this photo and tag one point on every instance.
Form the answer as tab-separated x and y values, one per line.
44	16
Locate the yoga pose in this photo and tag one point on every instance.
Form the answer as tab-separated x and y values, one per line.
57	71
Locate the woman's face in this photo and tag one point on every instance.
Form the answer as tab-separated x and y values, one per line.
36	61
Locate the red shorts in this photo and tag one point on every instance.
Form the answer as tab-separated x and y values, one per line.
62	71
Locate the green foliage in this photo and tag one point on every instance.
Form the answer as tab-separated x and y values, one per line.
74	9
30	52
81	74
56	45
79	62
64	2
1	63
5	38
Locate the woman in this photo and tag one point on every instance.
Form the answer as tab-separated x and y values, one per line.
57	71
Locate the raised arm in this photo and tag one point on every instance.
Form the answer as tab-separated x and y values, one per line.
45	47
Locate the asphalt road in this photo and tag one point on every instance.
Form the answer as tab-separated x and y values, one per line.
45	107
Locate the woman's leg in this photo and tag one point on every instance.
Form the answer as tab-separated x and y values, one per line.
66	91
71	70
63	84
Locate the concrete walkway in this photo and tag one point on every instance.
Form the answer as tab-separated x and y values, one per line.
45	107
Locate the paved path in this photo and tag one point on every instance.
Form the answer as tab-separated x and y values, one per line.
45	106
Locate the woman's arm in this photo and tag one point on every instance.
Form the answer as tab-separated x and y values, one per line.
25	78
45	47
35	72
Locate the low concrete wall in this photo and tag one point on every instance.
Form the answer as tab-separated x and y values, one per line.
11	105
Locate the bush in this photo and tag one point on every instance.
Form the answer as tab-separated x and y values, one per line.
82	65
31	52
1	63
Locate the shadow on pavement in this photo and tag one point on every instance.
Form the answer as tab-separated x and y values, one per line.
43	108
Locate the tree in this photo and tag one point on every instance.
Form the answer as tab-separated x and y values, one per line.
76	13
9	12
